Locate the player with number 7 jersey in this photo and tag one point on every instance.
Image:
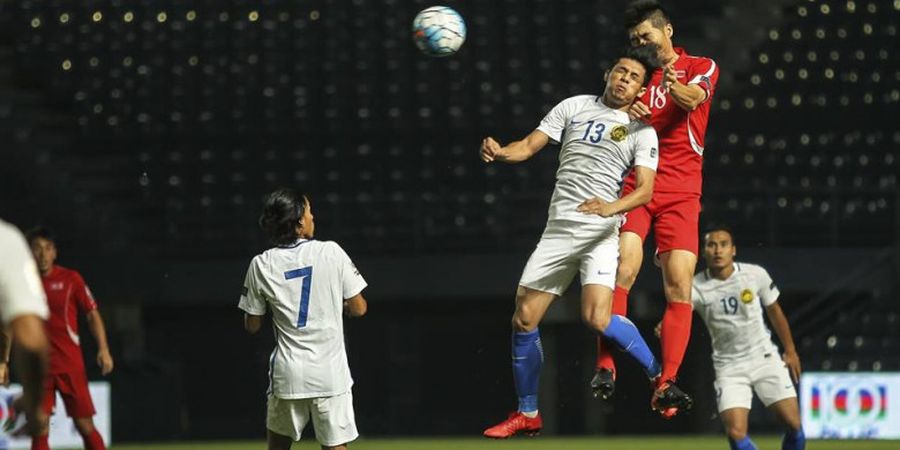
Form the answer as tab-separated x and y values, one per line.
308	286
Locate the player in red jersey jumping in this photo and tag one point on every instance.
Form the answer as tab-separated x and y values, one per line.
67	295
677	105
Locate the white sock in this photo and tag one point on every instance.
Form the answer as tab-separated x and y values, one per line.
530	414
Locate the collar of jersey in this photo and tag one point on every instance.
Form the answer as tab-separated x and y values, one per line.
296	243
737	268
599	100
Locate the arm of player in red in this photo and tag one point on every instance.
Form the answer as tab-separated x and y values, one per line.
98	330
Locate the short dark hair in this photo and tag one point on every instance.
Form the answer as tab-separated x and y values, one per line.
641	10
645	55
40	231
282	210
719	227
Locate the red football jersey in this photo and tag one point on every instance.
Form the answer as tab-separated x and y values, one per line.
67	295
681	133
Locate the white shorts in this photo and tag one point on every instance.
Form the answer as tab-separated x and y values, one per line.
332	418
768	377
567	247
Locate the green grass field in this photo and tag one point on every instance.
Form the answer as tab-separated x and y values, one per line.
539	443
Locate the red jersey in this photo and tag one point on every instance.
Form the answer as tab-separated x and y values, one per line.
681	133
67	295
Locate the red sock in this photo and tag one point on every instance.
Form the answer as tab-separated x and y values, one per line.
619	307
93	441
674	337
40	442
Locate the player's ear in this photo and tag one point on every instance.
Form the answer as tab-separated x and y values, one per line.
606	76
669	30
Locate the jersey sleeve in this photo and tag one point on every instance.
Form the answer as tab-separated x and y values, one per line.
84	298
21	292
554	123
696	296
646	152
705	73
253	299
352	282
767	290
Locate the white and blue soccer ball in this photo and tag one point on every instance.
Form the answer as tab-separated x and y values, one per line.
439	31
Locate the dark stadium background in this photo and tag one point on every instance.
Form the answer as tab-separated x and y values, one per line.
146	132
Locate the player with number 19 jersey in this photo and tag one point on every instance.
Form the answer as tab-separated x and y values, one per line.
304	284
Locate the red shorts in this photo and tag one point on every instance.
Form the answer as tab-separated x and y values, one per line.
675	217
73	388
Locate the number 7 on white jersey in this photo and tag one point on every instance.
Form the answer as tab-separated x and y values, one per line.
306	274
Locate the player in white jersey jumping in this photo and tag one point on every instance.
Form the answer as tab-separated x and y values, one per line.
23	309
730	298
599	145
309	286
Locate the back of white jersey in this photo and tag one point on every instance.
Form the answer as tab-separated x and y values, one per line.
733	312
600	145
21	291
305	286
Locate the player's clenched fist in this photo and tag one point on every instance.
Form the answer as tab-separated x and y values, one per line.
490	149
639	110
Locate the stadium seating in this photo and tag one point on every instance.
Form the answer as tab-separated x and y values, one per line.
206	106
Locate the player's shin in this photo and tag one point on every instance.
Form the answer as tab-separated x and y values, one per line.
527	359
604	349
623	332
742	444
794	440
93	441
674	336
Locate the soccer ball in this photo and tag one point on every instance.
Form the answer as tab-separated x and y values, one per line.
439	31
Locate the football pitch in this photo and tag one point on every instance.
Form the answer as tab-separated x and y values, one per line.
539	443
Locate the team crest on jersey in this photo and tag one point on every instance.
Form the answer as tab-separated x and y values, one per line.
746	296
619	133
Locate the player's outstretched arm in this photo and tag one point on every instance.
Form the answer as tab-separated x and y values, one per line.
356	306
104	358
783	330
514	152
643	191
27	333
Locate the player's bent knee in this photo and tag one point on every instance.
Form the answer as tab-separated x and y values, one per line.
678	291
736	433
522	323
596	321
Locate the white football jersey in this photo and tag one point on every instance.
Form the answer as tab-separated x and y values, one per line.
21	290
599	146
304	285
733	312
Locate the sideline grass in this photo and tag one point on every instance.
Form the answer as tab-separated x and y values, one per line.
539	443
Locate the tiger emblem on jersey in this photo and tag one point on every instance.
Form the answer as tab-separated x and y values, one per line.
746	296
619	133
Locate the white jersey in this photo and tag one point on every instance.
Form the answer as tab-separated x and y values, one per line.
304	285
600	145
21	291
733	312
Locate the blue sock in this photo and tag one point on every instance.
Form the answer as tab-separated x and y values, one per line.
743	444
626	335
527	359
794	440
